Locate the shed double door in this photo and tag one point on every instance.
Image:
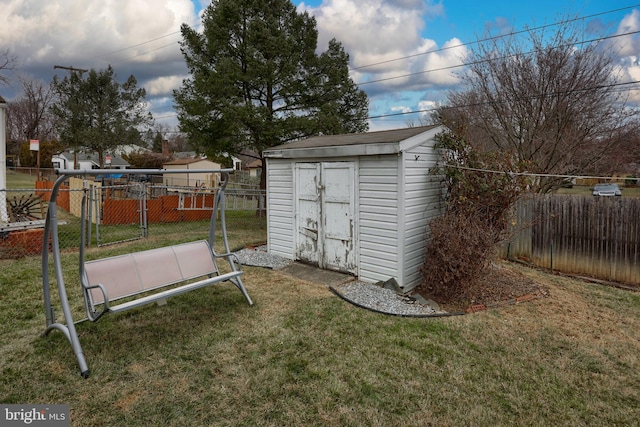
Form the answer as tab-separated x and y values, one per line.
325	214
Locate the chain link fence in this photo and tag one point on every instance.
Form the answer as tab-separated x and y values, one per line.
116	211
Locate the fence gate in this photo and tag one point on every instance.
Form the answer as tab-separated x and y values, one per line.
106	234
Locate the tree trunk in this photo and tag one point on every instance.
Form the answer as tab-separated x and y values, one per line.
263	187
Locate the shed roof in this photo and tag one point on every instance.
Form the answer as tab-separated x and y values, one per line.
369	143
183	162
116	160
255	164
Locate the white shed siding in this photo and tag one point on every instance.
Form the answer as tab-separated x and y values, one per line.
280	220
378	216
395	197
422	198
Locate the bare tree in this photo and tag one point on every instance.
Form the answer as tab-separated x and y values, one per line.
178	141
7	63
551	100
623	158
28	116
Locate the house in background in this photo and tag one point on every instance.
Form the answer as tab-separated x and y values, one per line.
356	203
65	160
126	149
235	161
255	168
195	179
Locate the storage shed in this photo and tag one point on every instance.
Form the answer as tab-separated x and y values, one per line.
196	179
356	203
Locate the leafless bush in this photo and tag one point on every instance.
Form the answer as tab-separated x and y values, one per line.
460	249
481	189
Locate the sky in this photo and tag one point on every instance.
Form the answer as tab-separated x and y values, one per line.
405	54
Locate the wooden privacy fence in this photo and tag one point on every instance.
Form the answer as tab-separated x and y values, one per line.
594	236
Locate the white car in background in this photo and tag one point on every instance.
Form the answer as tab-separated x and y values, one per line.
606	190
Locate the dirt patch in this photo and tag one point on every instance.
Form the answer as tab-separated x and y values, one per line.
501	284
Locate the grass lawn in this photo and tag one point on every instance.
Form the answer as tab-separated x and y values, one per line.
584	190
303	357
20	181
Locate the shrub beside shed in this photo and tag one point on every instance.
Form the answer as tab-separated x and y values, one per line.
356	203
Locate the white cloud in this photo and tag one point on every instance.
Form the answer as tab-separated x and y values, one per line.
370	29
628	70
84	33
385	42
401	109
626	48
427	105
441	65
628	45
163	85
136	37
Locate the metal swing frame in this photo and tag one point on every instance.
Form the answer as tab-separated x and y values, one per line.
51	240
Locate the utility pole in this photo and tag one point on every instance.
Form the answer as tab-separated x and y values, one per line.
71	71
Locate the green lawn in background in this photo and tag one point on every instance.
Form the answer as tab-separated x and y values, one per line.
584	190
21	181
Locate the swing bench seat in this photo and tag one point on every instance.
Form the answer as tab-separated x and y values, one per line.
124	282
140	277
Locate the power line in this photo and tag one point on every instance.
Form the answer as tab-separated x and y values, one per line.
513	33
599	39
534	175
70	69
564	22
165	107
149	51
167	116
505	57
429	110
135	45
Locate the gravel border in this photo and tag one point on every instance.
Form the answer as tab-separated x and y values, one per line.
360	294
259	257
385	301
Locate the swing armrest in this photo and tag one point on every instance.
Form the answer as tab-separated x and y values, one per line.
88	301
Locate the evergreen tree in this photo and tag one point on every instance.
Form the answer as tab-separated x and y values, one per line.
98	113
157	143
257	81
